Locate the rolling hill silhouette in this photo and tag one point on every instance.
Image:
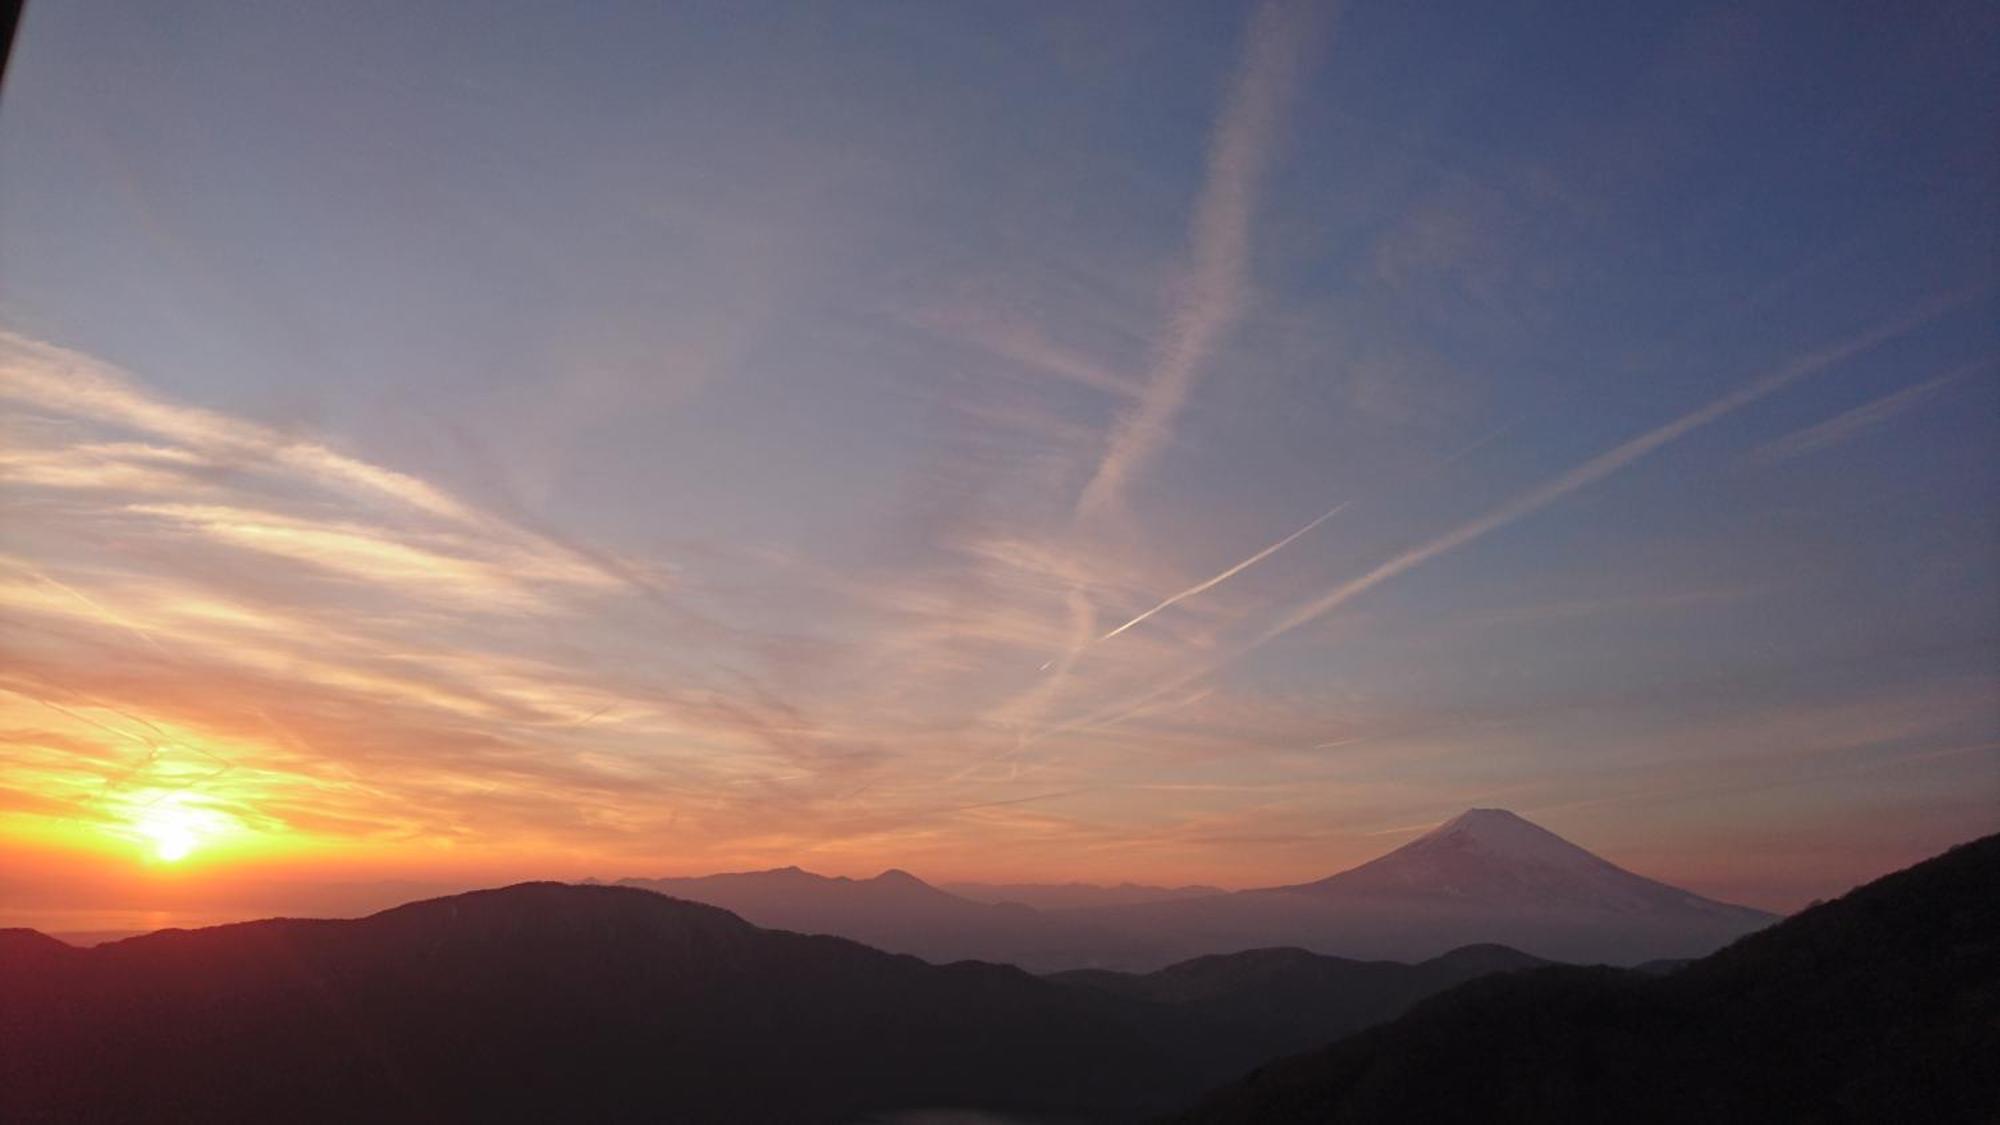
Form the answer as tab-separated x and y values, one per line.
894	911
1066	896
547	1002
1486	876
1285	1000
594	1003
1883	1005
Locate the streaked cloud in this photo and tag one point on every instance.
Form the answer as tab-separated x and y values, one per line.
697	486
1604	464
1218	579
1851	423
1020	340
69	384
1209	298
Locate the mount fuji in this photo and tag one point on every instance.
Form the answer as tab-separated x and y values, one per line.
1486	875
1495	860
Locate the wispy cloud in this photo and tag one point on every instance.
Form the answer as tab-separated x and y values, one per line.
306	642
1024	343
1205	303
1849	424
506	581
1218	579
1212	294
1534	500
1603	465
70	385
65	382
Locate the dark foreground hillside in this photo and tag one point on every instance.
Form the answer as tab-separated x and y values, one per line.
1284	1000
1881	1006
545	1002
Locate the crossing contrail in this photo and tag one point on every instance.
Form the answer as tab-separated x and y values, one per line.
1217	580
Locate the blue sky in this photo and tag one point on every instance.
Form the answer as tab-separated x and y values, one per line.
693	436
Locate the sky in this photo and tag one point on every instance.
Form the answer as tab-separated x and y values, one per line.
450	443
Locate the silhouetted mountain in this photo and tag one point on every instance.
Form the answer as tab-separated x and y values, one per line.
1484	876
1069	896
592	1003
1286	1000
30	947
1496	860
894	911
798	895
547	1002
1663	966
1881	1006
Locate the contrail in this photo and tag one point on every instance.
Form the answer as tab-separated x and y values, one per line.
1281	544
1841	427
1232	572
1589	472
1277	48
1603	465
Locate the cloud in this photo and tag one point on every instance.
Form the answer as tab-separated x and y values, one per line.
72	385
1204	306
300	642
1849	424
1218	579
69	383
1534	500
506	582
1022	342
1601	466
102	468
1212	295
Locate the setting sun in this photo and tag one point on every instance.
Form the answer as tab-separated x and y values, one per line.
171	831
170	841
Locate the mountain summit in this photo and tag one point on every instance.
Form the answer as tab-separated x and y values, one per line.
894	911
545	1002
1490	875
1496	859
1873	1007
1486	875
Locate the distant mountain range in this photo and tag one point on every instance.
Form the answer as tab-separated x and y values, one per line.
591	1003
1281	1000
609	1003
1484	876
1070	896
545	1002
1881	1006
1489	875
895	911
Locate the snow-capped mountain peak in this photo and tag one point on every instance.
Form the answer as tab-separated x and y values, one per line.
1496	860
1502	834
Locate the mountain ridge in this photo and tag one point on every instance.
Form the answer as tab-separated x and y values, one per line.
546	1001
543	1001
1498	857
1873	1007
1067	896
1486	875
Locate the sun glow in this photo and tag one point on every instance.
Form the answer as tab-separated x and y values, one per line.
171	831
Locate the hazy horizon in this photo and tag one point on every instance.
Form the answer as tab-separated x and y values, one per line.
453	445
152	902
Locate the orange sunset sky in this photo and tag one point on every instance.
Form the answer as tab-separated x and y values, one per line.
1186	443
